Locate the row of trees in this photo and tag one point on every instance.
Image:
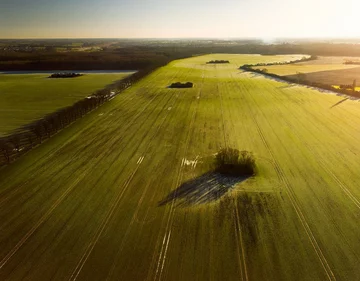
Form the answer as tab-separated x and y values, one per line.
15	145
356	62
303	59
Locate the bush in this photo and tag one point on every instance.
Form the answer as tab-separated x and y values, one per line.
233	162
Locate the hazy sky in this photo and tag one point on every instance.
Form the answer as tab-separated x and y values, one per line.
178	18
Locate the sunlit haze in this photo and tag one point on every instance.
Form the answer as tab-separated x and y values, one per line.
177	19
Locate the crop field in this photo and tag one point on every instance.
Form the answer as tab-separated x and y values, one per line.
340	76
320	64
327	70
28	97
125	193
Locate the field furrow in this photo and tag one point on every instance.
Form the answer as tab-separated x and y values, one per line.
127	192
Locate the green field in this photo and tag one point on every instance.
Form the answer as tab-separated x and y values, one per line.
27	97
85	204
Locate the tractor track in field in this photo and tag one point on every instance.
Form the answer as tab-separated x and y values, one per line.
38	189
109	215
322	164
292	197
102	226
145	190
342	185
54	151
240	242
238	230
49	155
166	239
53	207
222	115
40	222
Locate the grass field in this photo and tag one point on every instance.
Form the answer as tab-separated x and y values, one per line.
27	97
109	198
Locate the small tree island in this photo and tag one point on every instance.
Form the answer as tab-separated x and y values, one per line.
181	85
65	75
217	61
232	162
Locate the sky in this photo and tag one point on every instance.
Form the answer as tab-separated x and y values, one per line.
179	18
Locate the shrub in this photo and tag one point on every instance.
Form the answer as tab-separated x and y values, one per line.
233	162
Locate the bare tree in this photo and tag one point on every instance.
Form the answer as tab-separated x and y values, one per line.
6	150
16	141
37	129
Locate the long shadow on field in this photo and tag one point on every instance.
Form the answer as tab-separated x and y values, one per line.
336	104
203	189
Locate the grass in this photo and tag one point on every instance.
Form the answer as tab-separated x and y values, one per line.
27	97
95	201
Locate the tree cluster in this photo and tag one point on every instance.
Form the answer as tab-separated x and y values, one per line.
217	61
232	162
65	75
181	85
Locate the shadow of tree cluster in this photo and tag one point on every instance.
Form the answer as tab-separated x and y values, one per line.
204	189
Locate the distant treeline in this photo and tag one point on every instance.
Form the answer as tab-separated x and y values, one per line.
303	59
352	62
116	59
300	78
181	85
65	75
217	61
348	86
15	145
142	54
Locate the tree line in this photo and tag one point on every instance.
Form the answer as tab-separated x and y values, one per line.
303	59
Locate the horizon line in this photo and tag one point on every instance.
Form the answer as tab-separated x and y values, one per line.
185	38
